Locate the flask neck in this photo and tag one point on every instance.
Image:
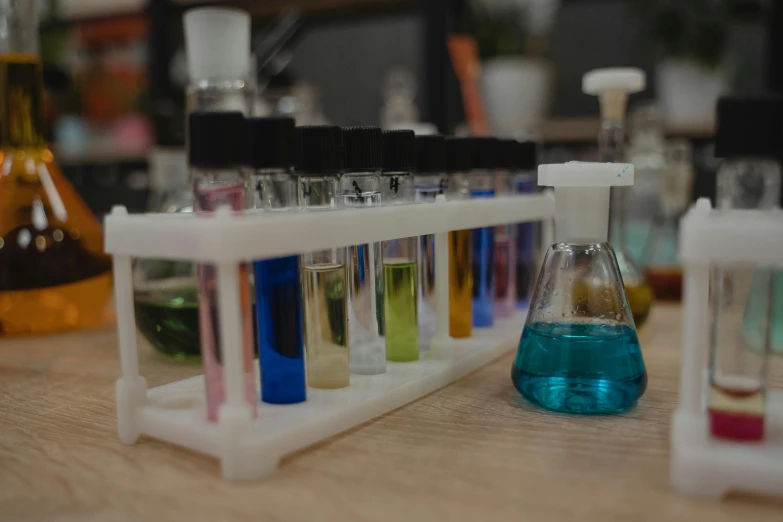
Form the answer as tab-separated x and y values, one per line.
21	101
611	149
581	214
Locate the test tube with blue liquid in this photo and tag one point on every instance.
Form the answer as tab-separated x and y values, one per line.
485	161
428	182
523	181
217	142
400	274
579	352
319	160
278	287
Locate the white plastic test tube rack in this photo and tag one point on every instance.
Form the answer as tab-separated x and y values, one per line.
700	463
251	449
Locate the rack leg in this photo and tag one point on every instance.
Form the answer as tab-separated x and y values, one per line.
131	388
235	414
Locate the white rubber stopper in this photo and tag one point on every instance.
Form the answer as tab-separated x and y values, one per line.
612	86
217	41
582	197
628	79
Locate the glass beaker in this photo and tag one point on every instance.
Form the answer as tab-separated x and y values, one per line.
54	275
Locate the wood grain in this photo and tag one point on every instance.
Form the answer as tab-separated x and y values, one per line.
471	451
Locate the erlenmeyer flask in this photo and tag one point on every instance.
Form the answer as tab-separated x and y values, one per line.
579	352
53	273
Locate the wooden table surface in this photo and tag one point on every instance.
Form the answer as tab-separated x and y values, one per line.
472	451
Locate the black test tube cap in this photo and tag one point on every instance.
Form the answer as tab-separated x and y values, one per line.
216	139
399	150
749	126
319	149
430	154
271	143
363	148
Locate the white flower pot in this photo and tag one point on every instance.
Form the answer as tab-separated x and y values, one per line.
516	93
688	92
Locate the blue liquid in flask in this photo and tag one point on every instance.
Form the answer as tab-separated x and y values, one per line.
583	368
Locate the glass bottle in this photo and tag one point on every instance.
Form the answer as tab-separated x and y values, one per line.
459	155
428	182
166	292
400	264
748	137
360	187
664	272
523	181
54	275
482	185
278	287
579	352
217	155
319	160
646	151
613	86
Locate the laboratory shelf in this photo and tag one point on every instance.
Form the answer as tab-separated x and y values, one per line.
251	448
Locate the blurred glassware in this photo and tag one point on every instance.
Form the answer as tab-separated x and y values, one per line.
663	270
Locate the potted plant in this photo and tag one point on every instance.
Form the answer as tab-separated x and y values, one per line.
516	79
695	68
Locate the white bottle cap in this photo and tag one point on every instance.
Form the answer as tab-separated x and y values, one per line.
613	85
217	41
582	197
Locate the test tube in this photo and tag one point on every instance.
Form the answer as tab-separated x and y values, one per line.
737	396
745	321
482	185
216	154
360	187
325	277
400	274
523	181
458	165
428	182
505	254
277	281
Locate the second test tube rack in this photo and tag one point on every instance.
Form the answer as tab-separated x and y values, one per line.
248	448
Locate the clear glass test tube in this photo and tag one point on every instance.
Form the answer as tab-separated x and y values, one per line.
211	191
738	370
325	291
426	187
365	269
324	273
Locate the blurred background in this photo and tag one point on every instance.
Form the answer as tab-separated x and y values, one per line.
115	73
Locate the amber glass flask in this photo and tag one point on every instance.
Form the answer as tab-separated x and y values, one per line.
54	275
